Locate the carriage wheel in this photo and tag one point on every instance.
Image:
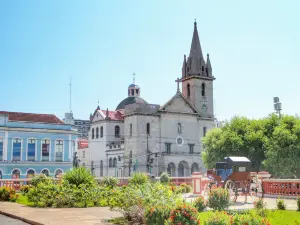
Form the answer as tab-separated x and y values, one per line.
256	189
231	187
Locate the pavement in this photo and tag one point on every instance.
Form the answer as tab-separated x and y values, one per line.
4	220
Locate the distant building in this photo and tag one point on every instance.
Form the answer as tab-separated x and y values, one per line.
83	153
32	144
83	127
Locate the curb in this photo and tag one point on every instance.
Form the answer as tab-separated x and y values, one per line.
20	218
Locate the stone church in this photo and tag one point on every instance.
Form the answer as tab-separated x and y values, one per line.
144	137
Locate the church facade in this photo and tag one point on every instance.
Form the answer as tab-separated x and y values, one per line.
153	138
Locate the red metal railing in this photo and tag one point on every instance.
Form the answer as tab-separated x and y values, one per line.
281	187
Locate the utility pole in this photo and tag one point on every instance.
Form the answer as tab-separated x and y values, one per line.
277	106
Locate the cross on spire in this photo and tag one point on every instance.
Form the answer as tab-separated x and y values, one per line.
133	77
177	81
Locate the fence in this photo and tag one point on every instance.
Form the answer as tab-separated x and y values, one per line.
281	187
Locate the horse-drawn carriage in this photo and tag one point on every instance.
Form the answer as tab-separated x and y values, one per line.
234	174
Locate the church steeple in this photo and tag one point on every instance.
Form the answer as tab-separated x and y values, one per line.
196	50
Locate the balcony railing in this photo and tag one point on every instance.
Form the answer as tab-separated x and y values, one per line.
181	153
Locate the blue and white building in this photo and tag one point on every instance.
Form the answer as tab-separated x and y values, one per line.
32	144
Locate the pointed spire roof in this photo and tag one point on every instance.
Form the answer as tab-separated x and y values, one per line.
195	46
208	61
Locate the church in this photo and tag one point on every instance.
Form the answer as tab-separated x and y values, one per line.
142	137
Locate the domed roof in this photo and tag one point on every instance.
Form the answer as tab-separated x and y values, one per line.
130	100
133	85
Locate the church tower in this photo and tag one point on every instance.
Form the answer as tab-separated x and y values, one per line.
197	79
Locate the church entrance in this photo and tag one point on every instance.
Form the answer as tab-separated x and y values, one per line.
183	169
171	169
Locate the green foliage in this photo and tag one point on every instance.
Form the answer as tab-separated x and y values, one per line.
157	215
42	178
8	194
280	204
25	189
218	199
184	214
164	178
185	188
218	218
259	204
298	203
248	219
78	176
138	179
110	181
200	204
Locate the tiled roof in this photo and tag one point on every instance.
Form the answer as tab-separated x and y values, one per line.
113	115
32	117
82	143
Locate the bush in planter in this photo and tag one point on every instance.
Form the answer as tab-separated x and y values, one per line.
138	179
218	199
164	178
25	189
110	182
8	194
259	204
298	203
280	204
157	215
184	214
248	219
219	218
200	204
42	178
185	188
78	176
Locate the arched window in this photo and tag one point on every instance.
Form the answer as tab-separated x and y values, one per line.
93	133
30	173
115	161
203	89
101	131
148	128
57	172
204	131
31	149
16	174
188	91
59	149
45	150
17	149
179	128
45	172
1	149
110	162
117	131
97	132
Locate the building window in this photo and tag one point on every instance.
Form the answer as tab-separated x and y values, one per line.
30	173
97	132
101	131
191	147
203	89
130	131
45	150
188	91
202	68
1	149
45	172
204	131
93	133
16	174
73	148
101	169
59	146
57	172
137	91
110	162
148	128
115	162
132	92
117	131
17	145
168	148
31	149
179	128
83	154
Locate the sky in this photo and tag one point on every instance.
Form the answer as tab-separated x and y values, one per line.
254	49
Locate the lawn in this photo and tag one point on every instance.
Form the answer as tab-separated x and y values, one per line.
275	217
22	199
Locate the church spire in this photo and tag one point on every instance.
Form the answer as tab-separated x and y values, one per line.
208	67
196	50
184	67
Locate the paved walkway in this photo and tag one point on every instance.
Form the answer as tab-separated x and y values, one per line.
51	216
4	220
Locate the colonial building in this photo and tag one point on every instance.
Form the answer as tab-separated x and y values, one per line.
153	138
33	144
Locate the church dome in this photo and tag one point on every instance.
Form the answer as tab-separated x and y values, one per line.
133	85
130	100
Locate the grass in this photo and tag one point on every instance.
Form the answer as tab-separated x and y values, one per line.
275	217
22	199
118	221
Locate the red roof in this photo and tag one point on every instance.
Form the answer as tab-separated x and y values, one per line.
113	115
82	143
32	117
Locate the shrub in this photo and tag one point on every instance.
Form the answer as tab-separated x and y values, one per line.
79	176
8	194
218	199
280	204
164	178
25	189
157	215
199	204
138	179
185	188
110	182
184	214
259	204
219	218
298	203
248	219
39	179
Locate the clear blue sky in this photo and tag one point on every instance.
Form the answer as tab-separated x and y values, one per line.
254	48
